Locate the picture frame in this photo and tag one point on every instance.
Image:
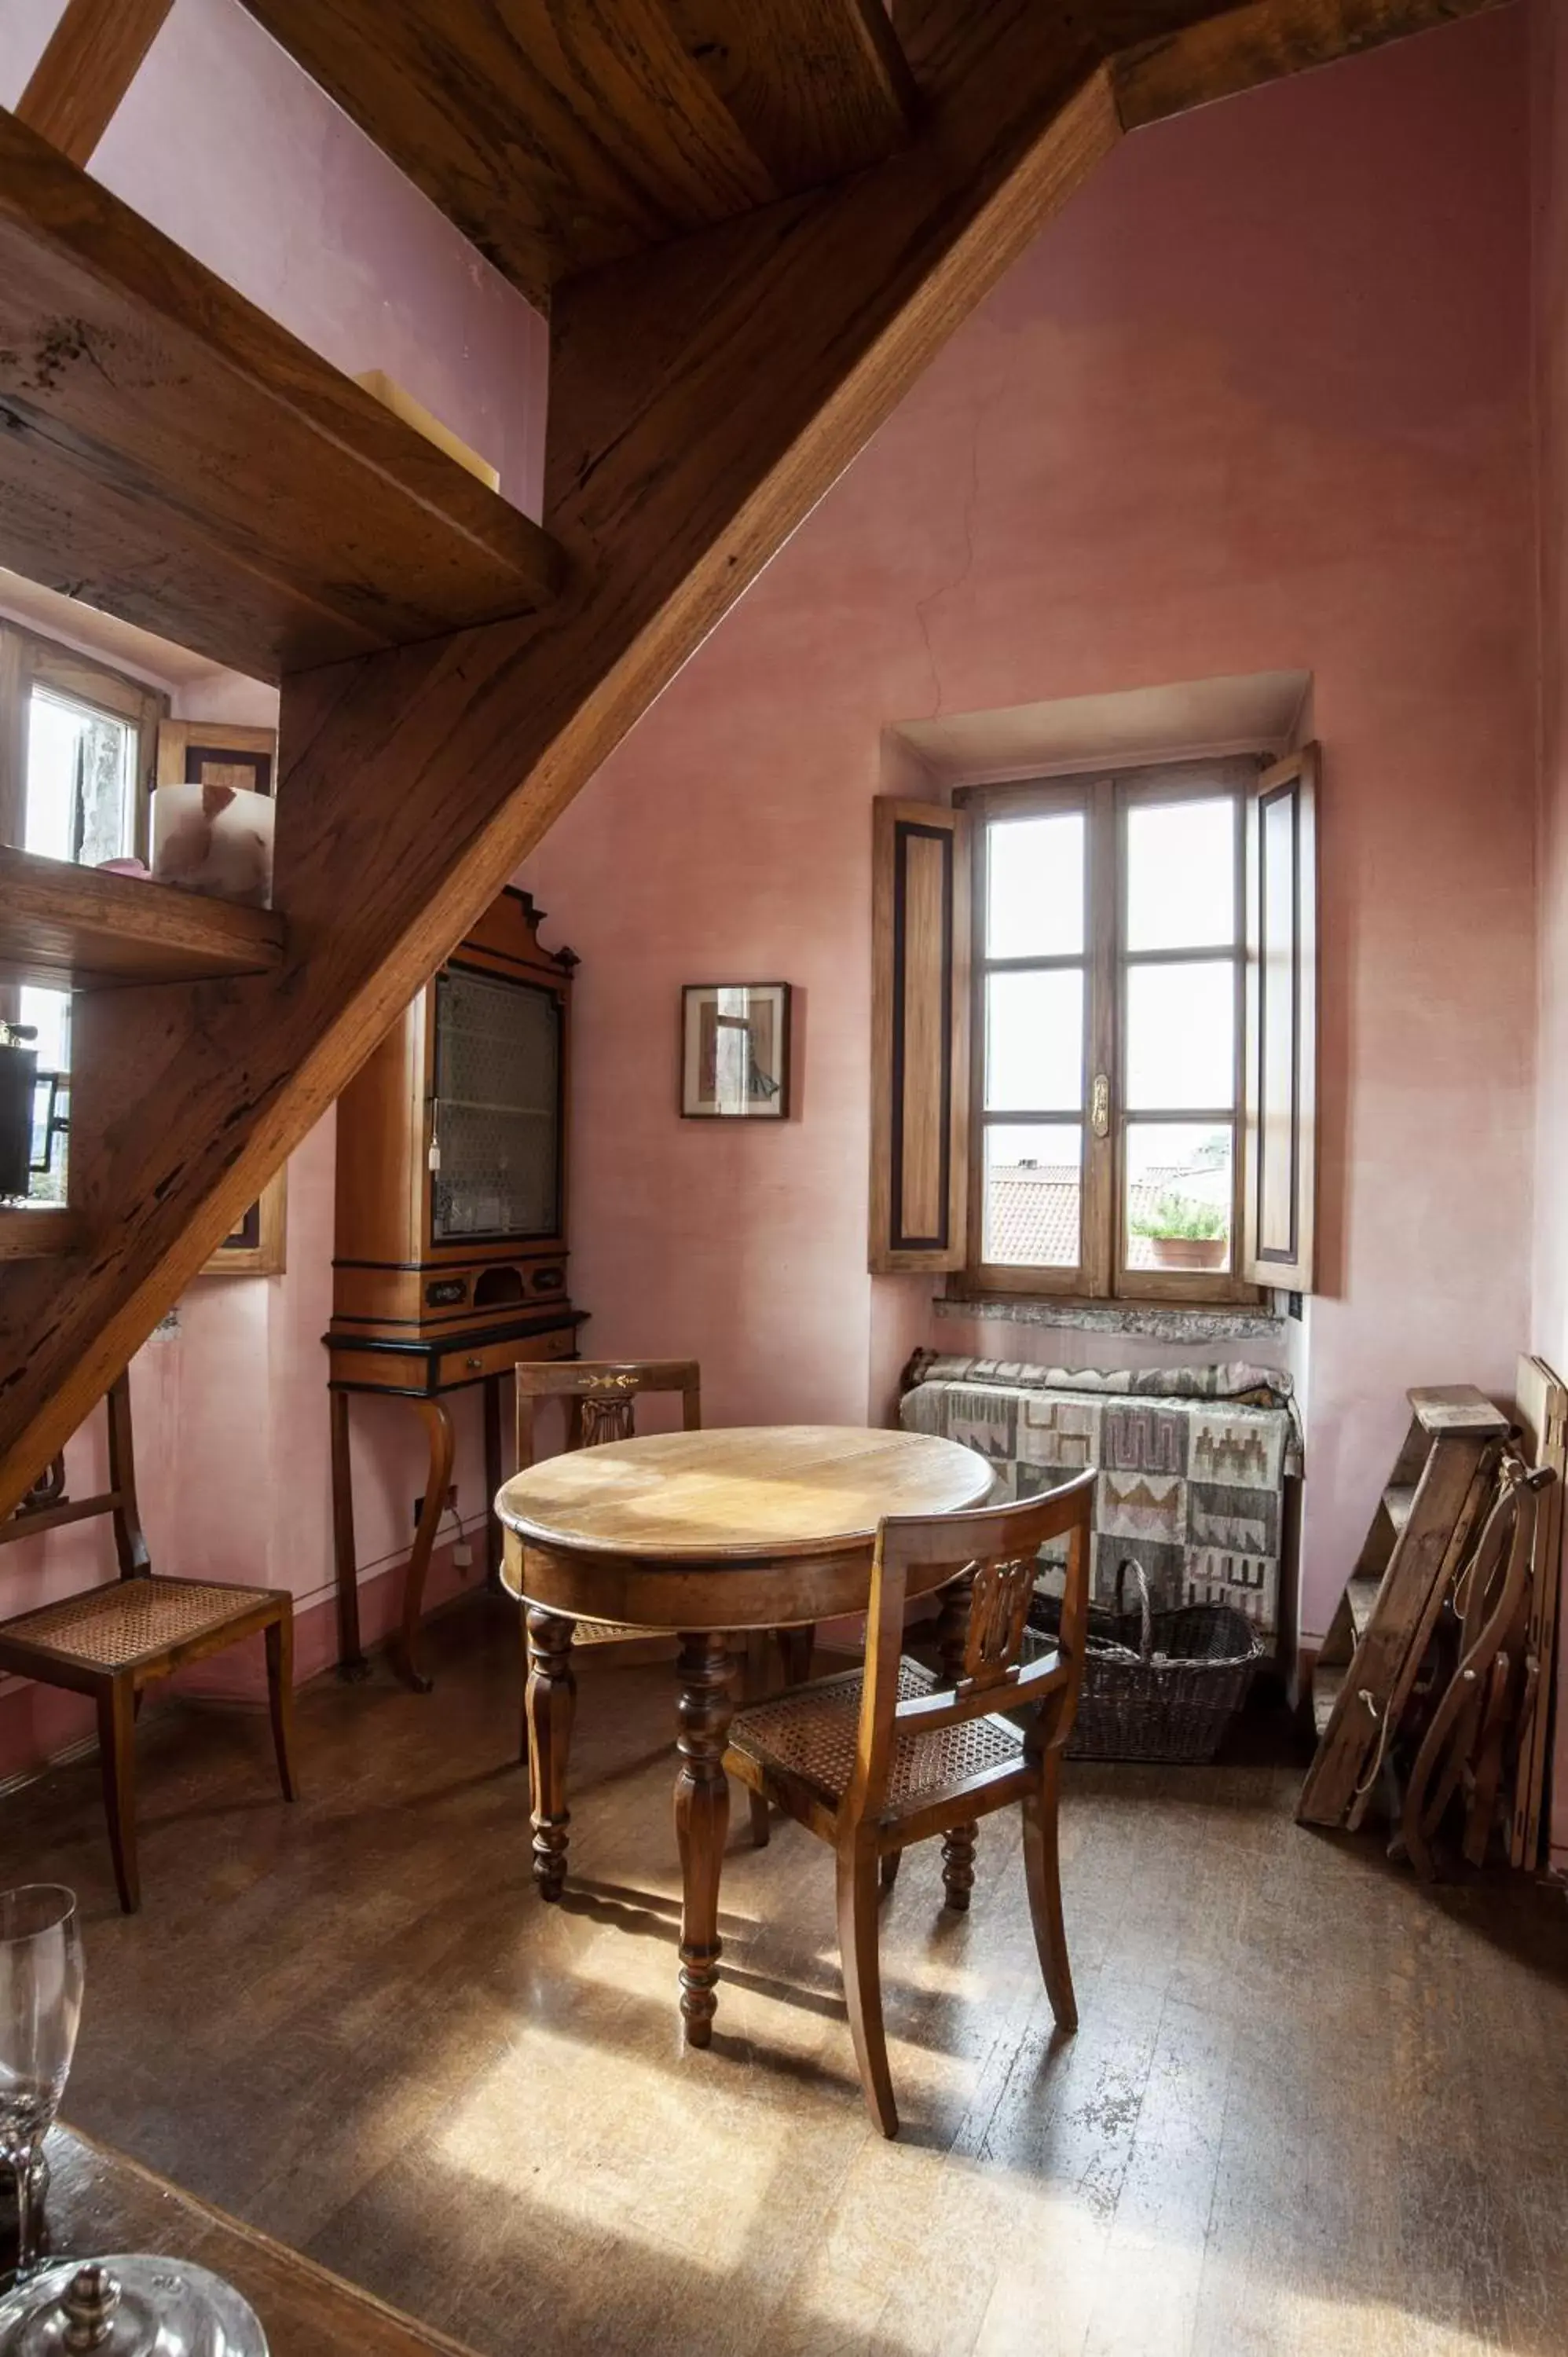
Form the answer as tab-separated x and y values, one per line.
734	1051
258	1246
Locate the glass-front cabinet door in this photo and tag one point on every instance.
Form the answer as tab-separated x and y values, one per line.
496	1117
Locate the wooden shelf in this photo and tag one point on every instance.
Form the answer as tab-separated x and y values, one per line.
169	453
67	928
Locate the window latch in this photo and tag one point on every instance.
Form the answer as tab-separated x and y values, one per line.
1099	1105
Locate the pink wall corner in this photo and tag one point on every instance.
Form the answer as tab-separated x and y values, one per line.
1258	399
1549	1328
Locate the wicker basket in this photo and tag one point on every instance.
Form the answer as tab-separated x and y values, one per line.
1158	1685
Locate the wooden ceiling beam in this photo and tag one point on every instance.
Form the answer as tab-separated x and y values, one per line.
703	401
1193	65
88	65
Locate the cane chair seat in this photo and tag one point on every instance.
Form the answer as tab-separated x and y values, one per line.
607	1632
115	1627
811	1736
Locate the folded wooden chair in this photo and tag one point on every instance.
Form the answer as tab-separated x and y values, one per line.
874	1760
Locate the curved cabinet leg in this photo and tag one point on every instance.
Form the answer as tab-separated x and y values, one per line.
549	1704
701	1820
411	1636
352	1662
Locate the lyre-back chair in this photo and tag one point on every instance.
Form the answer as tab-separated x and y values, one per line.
879	1758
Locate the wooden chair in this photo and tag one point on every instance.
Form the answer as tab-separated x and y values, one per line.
601	1396
113	1642
876	1759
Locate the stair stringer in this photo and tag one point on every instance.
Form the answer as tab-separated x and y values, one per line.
702	398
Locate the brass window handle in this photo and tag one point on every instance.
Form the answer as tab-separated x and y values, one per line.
1099	1105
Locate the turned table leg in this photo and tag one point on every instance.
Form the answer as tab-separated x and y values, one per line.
701	1820
549	1702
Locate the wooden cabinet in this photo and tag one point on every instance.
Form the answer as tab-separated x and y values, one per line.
450	1257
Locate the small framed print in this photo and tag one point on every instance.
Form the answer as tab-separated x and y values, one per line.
734	1051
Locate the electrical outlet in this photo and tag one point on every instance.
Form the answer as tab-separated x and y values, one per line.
450	1507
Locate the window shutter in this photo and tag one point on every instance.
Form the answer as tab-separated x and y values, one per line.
1280	1131
919	1017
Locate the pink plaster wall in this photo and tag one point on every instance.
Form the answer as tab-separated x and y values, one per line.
1260	399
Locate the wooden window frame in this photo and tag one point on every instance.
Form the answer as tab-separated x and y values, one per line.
29	659
1106	797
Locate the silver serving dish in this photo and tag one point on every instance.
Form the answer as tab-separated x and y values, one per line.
131	2305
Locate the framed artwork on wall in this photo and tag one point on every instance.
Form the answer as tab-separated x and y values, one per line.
257	1247
734	1051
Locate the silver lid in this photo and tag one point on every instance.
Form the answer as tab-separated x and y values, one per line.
134	2304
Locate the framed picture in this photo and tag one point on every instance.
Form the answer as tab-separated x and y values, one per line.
211	753
257	1247
734	1051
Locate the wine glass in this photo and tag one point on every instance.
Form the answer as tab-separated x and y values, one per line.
40	2005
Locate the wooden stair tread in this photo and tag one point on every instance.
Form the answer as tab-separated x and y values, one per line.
1327	1685
1398	1500
172	454
1361	1595
63	927
1458	1408
555	157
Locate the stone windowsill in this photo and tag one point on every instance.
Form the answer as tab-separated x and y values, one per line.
1156	1322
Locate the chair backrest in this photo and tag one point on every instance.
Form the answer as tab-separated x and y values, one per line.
600	1394
996	1548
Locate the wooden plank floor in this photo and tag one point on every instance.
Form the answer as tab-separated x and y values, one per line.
1311	2107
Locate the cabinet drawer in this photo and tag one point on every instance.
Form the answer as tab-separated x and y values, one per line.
499	1358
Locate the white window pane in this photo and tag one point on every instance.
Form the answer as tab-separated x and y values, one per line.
1181	1037
1181	875
80	766
1035	885
1180	1192
1033	1195
1034	1042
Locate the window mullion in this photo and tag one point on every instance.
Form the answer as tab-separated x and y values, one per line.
1100	1153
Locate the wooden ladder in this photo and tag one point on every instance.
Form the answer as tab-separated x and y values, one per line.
1425	1523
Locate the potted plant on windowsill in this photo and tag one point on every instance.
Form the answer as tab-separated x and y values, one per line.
1183	1233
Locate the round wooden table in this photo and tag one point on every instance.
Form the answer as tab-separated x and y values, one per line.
698	1533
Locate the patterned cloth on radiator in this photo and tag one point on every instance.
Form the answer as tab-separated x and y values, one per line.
1190	1488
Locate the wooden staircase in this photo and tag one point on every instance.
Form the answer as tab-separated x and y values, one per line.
754	223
